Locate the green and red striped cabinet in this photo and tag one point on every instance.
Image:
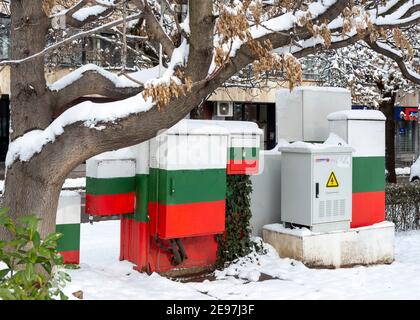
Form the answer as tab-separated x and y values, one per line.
68	223
364	130
179	186
110	186
244	152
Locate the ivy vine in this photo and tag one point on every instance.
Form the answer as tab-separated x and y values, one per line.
236	241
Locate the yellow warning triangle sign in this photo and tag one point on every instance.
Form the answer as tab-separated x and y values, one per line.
332	181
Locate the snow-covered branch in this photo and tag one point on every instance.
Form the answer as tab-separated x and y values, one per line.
389	52
85	11
88	80
97	116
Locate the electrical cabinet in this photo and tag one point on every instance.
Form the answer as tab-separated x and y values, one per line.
364	130
244	154
301	114
110	186
187	184
316	182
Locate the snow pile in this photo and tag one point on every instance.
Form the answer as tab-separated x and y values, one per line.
145	75
179	58
84	13
106	2
74	183
277	227
220	127
124	153
402	171
288	20
118	81
103	276
300	146
335	140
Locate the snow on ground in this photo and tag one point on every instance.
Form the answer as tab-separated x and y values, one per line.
402	171
102	276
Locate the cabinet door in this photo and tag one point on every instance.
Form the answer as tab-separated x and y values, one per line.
332	182
191	185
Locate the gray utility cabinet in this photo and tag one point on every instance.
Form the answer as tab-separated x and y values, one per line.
316	186
301	114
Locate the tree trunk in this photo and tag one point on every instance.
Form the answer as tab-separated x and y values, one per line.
28	193
30	108
387	107
27	190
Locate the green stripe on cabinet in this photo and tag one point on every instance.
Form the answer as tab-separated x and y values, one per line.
368	174
187	186
239	153
99	186
142	197
71	237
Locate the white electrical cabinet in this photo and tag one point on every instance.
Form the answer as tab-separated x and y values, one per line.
301	114
316	186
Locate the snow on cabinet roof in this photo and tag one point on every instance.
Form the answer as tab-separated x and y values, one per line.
357	115
125	153
333	144
189	126
314	88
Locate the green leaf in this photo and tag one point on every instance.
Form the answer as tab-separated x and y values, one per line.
29	272
47	266
4	273
36	239
6	294
23	255
53	237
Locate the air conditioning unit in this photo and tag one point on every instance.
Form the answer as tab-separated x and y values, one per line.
224	109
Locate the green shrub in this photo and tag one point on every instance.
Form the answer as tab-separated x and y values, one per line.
31	265
403	204
236	242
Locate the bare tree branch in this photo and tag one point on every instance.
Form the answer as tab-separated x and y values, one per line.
155	30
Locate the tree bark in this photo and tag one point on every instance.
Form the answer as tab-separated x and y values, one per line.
29	100
387	107
29	193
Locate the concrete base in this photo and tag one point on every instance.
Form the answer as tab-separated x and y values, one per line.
361	246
